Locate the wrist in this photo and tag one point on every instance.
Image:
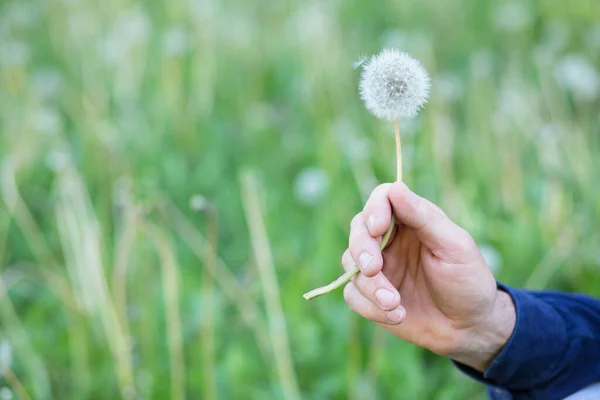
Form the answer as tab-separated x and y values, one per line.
483	343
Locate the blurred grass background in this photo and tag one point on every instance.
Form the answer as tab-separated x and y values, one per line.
174	175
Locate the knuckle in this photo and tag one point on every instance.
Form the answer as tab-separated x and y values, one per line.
356	244
382	188
356	220
345	256
373	313
464	241
348	295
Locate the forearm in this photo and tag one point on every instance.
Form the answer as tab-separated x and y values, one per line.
554	349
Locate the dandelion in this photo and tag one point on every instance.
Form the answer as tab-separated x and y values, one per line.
311	185
393	86
199	202
576	74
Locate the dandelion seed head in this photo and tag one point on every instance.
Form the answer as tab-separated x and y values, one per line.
311	186
576	74
394	85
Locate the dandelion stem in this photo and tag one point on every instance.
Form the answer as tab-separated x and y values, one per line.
342	280
16	384
398	152
347	276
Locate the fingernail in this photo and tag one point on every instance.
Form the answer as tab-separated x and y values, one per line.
384	297
364	260
395	316
371	222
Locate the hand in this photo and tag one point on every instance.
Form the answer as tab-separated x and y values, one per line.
431	286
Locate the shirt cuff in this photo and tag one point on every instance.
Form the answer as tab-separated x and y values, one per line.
533	351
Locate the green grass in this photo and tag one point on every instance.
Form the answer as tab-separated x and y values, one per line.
114	114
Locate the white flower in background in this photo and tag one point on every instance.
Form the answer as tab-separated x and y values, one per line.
511	16
13	53
394	85
199	202
482	64
6	394
492	258
576	74
47	121
448	87
311	186
5	356
175	41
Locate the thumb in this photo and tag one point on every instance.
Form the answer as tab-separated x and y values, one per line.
437	232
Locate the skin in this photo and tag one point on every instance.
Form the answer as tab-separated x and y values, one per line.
431	286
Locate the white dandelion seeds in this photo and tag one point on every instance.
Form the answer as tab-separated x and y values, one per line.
360	61
394	85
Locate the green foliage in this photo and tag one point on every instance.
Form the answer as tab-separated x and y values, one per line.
113	115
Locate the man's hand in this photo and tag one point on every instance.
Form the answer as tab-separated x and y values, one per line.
431	286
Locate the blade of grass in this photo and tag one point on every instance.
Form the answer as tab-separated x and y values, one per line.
170	286
266	269
79	232
233	290
208	292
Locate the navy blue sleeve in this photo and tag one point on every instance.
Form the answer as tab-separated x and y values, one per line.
554	350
